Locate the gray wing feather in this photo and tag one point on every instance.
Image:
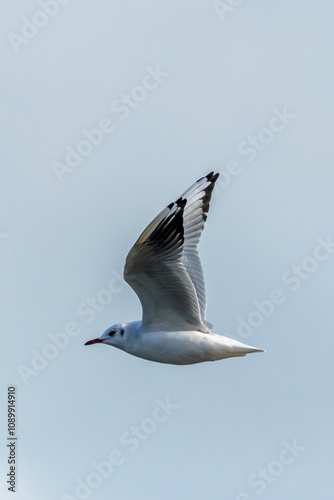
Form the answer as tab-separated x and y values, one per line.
163	266
195	214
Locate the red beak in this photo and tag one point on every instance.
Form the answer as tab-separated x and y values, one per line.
94	341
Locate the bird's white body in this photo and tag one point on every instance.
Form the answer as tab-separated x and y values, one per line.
174	347
164	269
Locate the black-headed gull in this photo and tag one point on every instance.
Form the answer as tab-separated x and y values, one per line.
164	269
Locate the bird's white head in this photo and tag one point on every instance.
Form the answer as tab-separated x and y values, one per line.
115	335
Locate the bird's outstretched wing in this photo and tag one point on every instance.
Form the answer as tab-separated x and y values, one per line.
163	266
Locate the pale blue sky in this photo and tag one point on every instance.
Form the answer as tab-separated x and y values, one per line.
177	91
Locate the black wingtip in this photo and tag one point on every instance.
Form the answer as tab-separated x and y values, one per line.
212	177
181	202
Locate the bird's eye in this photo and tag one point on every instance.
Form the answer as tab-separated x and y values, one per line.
112	333
122	332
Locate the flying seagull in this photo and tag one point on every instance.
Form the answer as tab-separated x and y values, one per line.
164	269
